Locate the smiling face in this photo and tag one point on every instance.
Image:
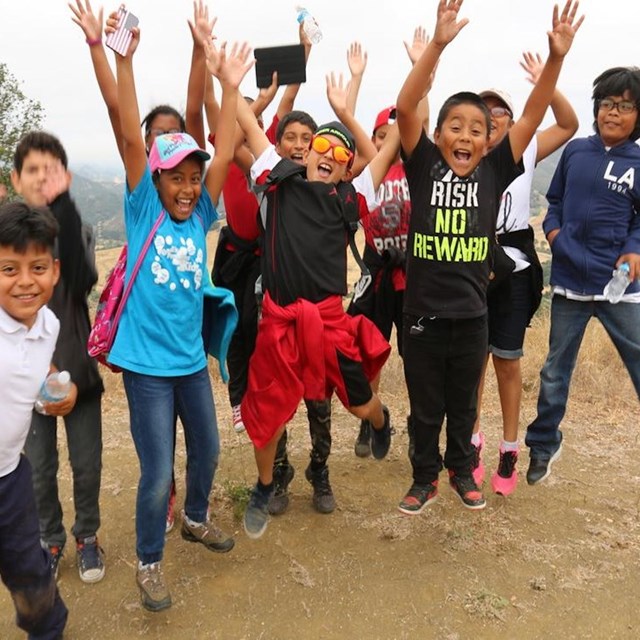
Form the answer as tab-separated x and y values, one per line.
179	188
26	281
463	138
323	167
500	124
615	127
295	142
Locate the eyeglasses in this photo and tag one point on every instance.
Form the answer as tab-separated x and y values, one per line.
623	106
500	112
162	132
341	154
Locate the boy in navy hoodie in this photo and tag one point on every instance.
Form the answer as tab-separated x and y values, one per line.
592	226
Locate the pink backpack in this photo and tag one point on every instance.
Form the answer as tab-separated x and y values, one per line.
112	300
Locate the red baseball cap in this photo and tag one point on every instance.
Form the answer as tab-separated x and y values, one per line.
386	116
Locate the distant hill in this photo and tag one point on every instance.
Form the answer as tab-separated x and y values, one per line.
101	205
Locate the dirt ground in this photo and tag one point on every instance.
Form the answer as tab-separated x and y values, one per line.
559	560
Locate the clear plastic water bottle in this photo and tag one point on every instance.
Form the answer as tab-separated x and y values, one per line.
309	25
618	284
54	388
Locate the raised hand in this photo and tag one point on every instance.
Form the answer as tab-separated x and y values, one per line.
356	59
337	93
533	64
447	25
57	181
418	45
564	29
267	94
84	17
202	26
229	68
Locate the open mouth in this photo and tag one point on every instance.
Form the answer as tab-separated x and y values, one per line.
324	170
462	156
184	205
298	157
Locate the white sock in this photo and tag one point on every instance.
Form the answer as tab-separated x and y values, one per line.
510	446
476	439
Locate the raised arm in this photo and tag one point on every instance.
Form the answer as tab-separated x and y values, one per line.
414	50
256	137
337	95
566	123
230	69
418	81
91	26
561	37
133	146
357	61
201	29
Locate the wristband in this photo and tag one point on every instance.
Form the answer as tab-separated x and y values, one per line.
94	42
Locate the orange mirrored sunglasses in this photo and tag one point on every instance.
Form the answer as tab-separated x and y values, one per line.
341	154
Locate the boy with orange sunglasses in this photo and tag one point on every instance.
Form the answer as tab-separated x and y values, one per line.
307	346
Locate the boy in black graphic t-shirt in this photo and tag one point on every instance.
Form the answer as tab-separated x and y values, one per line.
455	189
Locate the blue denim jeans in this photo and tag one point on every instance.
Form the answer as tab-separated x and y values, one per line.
569	319
153	403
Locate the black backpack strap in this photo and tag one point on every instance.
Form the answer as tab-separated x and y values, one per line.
351	218
283	170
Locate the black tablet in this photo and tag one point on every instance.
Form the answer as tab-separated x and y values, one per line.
287	60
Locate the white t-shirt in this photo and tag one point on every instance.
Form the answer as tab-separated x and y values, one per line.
26	356
514	204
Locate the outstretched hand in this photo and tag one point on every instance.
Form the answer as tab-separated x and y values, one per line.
533	64
564	29
229	68
84	17
337	93
447	24
418	45
201	27
356	59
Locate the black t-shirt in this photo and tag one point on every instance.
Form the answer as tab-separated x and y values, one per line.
452	229
305	241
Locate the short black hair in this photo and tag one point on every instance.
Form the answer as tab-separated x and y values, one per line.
464	97
614	82
38	141
162	110
22	226
295	116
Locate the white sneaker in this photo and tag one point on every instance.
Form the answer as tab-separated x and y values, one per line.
238	425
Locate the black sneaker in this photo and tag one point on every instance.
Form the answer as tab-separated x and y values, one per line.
256	514
323	500
55	555
362	447
540	467
381	438
467	490
90	559
418	497
282	477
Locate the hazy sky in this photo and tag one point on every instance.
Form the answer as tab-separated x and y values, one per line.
46	51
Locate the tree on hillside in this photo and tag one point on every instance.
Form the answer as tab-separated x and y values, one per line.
18	114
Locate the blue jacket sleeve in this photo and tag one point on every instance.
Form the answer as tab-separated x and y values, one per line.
555	197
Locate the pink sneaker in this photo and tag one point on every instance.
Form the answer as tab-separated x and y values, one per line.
477	468
238	425
505	479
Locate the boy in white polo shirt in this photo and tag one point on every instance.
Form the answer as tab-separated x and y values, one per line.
28	334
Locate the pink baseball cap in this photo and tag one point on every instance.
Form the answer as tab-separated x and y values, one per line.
170	149
386	116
